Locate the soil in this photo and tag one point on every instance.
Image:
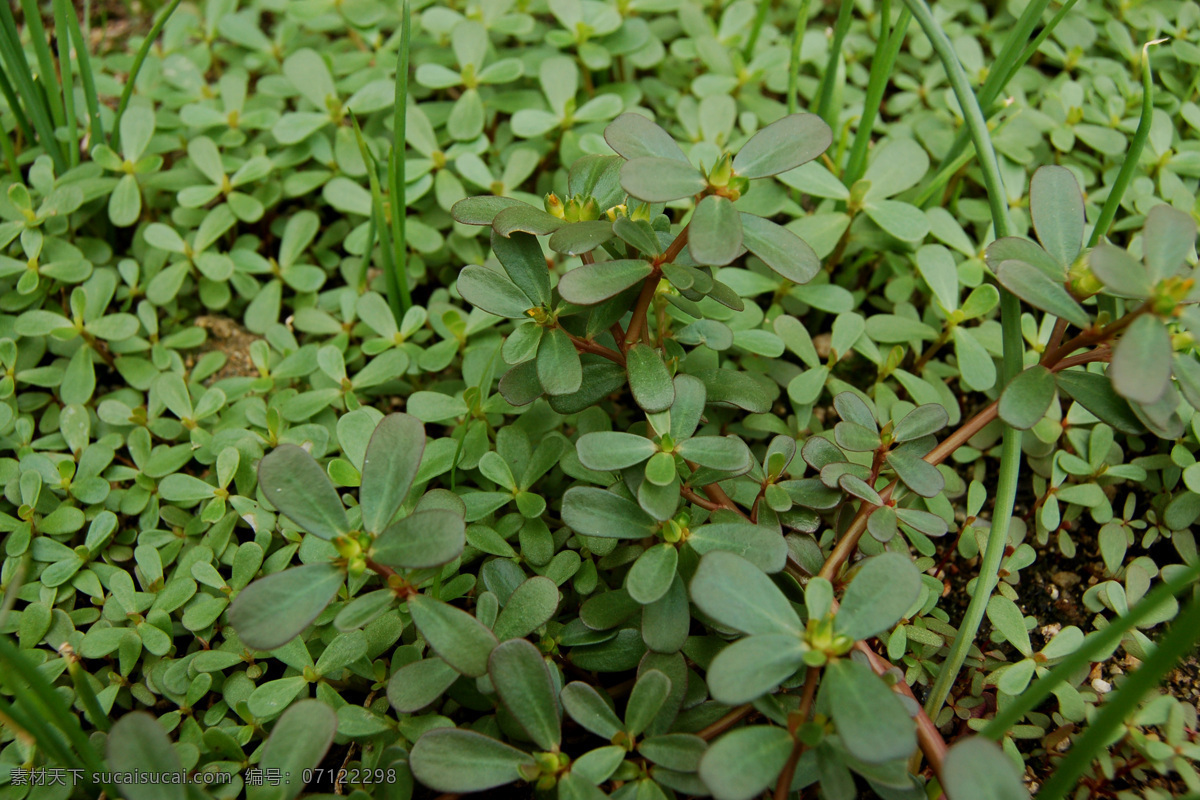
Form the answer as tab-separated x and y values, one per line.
226	336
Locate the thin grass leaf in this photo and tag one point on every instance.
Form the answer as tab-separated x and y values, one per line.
381	227
397	168
96	126
793	91
138	60
26	87
61	27
48	79
1184	633
881	75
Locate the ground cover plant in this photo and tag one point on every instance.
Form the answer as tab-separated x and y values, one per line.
585	398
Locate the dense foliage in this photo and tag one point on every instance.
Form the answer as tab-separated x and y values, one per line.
735	387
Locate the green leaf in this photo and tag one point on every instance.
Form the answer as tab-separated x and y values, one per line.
389	467
1040	291
1120	272
978	769
527	219
1013	248
293	483
715	232
1095	393
1056	206
453	760
878	596
974	363
558	366
638	234
661	180
590	284
1141	364
724	453
647	697
780	249
523	683
924	420
581	237
481	210
421	540
613	450
649	379
906	222
1010	622
751	667
650	576
1167	237
1027	398
529	607
138	743
494	293
635	136
745	761
660	469
736	593
598	512
272	611
125	202
298	742
762	547
416	685
588	708
783	145
896	165
521	256
872	722
462	641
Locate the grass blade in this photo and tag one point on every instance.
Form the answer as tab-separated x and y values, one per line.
10	154
36	104
10	97
96	126
62	34
138	60
396	169
41	50
1094	644
881	73
793	95
760	18
825	94
1184	633
1014	349
382	228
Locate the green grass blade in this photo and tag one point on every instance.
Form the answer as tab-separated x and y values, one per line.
30	94
1093	645
96	126
998	73
45	706
1130	164
1030	49
381	226
1014	349
138	60
1184	634
793	95
881	73
760	18
10	97
45	58
10	154
62	34
396	169
825	94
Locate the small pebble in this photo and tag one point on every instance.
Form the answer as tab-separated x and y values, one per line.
1101	686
